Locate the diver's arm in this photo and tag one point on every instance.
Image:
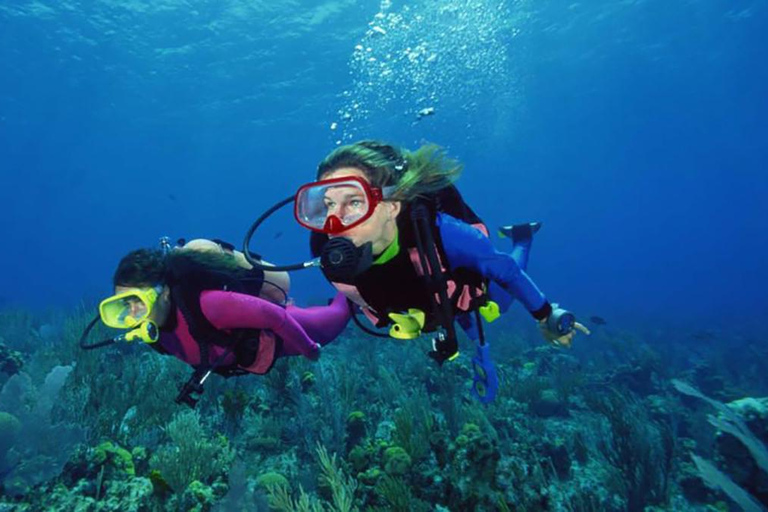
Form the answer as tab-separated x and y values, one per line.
467	247
231	310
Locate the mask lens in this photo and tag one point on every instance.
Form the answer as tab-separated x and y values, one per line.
134	307
128	309
347	202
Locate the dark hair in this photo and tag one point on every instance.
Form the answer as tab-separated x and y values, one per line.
412	173
141	268
150	267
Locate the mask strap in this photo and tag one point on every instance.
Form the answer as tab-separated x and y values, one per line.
387	191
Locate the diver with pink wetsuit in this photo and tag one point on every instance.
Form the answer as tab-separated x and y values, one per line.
208	309
283	331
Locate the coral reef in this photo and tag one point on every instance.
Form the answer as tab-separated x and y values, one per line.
375	426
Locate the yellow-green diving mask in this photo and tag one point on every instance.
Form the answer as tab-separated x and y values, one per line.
128	309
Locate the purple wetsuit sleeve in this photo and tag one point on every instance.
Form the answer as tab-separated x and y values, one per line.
467	247
230	310
323	323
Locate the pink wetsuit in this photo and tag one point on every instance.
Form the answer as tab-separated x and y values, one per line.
301	329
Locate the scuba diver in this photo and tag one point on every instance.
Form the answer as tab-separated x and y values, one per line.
392	233
203	303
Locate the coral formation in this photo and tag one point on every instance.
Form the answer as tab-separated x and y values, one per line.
354	432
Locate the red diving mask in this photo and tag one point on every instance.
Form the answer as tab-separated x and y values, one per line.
336	205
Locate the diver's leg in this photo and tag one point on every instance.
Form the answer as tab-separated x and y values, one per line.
522	238
323	323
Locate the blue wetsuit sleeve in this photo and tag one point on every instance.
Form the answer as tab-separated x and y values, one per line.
467	247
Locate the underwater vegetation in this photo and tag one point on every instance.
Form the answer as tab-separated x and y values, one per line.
625	421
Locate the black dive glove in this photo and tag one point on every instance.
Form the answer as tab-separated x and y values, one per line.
443	349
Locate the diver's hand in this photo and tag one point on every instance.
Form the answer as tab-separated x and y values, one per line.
557	339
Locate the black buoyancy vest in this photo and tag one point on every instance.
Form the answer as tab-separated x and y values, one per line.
396	285
187	279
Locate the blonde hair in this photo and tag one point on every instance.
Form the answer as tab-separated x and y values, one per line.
413	174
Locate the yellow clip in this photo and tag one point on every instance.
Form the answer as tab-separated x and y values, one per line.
454	356
490	311
407	326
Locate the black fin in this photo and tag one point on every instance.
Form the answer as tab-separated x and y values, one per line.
520	232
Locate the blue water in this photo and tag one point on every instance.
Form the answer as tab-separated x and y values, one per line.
636	131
